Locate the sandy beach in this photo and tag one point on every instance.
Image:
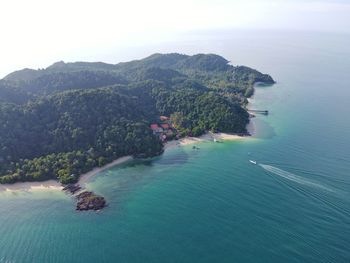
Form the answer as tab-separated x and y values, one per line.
206	137
50	185
84	178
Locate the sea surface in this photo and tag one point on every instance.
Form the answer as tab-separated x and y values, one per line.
212	204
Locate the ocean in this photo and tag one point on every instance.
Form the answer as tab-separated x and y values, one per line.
212	204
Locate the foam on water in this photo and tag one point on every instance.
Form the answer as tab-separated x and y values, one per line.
293	177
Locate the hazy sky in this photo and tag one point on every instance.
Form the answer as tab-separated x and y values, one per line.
37	33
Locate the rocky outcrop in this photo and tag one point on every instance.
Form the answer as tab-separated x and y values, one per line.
89	201
86	200
72	188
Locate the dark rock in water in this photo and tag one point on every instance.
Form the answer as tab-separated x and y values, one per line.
90	201
85	200
72	188
243	134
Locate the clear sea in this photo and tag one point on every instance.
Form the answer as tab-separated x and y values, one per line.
212	204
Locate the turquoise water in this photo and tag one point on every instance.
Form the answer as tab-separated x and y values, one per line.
212	205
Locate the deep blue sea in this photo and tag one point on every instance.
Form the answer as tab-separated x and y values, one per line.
212	204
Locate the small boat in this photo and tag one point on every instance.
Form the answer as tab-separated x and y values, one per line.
253	162
214	140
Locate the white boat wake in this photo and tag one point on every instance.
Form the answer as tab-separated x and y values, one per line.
292	177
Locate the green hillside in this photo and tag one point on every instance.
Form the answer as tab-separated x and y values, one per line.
60	122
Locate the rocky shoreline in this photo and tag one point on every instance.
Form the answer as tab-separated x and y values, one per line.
72	188
86	200
90	201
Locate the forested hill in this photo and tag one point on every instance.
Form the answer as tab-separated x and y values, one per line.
59	122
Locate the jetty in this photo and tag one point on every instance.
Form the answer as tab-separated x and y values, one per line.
265	112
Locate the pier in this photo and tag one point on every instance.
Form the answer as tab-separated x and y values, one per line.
266	112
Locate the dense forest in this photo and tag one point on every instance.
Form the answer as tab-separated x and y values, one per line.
60	122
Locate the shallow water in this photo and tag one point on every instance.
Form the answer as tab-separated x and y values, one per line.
212	204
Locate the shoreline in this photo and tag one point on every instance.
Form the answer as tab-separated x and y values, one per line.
49	185
53	185
85	178
204	138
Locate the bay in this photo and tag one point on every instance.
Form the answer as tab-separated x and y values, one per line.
212	204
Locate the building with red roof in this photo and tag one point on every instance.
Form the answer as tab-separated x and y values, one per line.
165	126
155	128
164	118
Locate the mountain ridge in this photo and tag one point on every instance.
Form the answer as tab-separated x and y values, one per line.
62	121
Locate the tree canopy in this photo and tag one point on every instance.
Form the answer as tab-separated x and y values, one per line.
60	122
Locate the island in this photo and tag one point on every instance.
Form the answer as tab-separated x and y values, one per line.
64	120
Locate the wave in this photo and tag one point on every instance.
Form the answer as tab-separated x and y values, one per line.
293	177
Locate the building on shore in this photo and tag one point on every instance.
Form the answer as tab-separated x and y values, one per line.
163	129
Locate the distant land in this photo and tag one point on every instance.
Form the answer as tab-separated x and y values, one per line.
62	121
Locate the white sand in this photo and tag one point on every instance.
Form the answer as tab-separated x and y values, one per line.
84	178
206	137
52	185
31	186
